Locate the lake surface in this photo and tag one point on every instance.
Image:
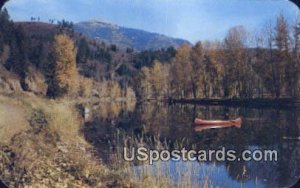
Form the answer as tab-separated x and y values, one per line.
270	129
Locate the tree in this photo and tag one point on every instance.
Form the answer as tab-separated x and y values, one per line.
144	89
65	71
235	67
269	72
282	34
66	27
2	2
18	60
6	31
114	90
283	62
83	52
198	75
181	68
154	81
293	70
159	79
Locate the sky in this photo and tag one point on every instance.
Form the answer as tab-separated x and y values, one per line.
193	20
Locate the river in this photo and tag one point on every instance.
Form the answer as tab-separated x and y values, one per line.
262	128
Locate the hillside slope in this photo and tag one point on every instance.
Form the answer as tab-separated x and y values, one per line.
126	37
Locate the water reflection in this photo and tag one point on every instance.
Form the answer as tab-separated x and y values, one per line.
197	174
261	129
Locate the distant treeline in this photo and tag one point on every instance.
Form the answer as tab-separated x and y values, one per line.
269	68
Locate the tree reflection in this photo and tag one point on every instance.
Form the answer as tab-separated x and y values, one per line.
261	129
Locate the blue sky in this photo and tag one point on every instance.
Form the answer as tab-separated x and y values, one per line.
193	20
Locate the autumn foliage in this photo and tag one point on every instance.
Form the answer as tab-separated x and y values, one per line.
65	71
265	65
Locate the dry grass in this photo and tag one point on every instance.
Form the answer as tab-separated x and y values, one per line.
12	120
64	120
51	152
61	115
160	173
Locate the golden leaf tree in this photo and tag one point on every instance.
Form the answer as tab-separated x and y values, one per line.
181	68
65	71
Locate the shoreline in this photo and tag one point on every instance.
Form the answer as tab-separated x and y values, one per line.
288	103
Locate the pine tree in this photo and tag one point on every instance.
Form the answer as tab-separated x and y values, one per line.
2	2
83	51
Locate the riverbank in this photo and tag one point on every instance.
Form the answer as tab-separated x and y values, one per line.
41	146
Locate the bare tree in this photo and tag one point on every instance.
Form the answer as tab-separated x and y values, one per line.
235	66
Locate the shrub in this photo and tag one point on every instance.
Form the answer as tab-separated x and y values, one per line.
38	119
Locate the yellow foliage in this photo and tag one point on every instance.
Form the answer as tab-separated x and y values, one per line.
86	86
66	75
130	94
181	70
154	82
114	90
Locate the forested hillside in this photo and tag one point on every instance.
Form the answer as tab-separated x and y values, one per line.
28	54
224	69
231	68
72	100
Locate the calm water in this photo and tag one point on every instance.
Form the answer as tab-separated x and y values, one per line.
271	129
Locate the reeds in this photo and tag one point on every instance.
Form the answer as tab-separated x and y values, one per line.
161	173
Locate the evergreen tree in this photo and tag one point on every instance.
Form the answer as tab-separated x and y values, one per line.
83	52
2	2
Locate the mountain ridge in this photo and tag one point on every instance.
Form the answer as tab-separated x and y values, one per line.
126	37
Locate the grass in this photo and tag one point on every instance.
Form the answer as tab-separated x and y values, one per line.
160	174
50	152
12	119
43	147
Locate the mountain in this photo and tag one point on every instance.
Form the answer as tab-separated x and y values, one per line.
126	37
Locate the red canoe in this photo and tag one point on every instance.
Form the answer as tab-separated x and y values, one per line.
203	127
236	122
